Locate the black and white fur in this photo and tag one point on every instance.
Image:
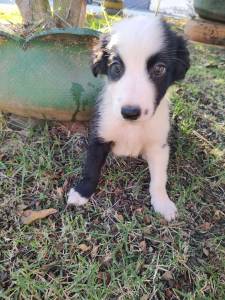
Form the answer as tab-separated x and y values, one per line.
141	58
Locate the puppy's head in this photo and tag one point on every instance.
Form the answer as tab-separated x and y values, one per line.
141	58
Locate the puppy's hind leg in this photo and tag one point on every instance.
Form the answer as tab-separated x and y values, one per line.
96	156
157	157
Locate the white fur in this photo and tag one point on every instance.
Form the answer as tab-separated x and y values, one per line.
136	40
165	207
157	157
74	198
134	138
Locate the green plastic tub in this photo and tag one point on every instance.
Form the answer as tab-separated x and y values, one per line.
48	76
211	9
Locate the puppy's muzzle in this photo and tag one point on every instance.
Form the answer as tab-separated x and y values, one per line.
130	112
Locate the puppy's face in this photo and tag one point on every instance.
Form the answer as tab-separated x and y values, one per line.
141	57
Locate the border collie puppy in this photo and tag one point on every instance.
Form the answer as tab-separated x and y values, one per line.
141	57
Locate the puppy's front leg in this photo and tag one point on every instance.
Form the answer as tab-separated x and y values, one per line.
157	157
96	156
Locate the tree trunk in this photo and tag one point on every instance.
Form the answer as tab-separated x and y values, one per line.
69	12
35	12
25	11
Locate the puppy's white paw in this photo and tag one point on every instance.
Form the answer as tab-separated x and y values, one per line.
74	198
165	207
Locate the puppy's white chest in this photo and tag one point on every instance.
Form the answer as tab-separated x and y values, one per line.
132	138
128	143
128	139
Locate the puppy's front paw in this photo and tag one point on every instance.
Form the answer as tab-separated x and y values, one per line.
74	198
165	207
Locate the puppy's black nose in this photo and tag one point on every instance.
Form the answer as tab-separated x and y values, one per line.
130	112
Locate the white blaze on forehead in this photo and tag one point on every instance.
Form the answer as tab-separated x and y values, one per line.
137	38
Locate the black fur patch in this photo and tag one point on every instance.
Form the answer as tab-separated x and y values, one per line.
174	56
112	73
100	56
104	59
176	47
96	156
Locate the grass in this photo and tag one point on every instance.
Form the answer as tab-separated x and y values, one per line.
116	247
10	15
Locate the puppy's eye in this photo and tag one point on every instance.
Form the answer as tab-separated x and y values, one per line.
115	70
158	70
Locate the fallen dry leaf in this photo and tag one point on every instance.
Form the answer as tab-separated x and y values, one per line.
148	230
139	211
74	127
218	215
119	217
21	208
167	276
29	216
84	247
163	221
169	294
147	219
96	221
107	259
145	297
143	246
205	226
94	251
104	277
210	64
205	251
59	192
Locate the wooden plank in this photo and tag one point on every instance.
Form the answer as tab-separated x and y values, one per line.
205	31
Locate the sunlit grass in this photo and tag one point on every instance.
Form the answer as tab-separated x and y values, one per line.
101	23
11	15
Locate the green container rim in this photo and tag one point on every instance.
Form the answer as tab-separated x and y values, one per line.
73	31
61	31
8	35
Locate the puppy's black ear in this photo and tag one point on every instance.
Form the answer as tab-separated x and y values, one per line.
182	63
100	56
